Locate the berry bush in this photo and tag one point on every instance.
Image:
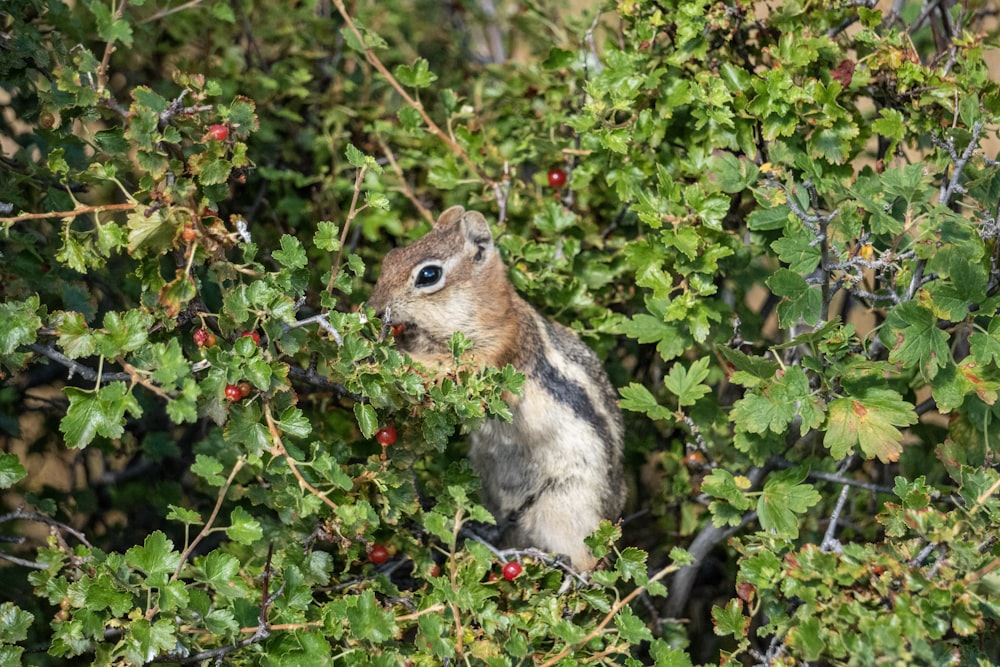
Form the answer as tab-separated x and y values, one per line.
777	224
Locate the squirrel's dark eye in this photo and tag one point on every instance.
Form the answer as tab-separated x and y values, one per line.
428	275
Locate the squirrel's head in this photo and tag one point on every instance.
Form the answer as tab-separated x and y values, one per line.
448	280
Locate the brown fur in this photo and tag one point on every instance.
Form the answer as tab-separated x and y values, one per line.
552	474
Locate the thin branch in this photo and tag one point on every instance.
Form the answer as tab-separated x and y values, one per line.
952	186
48	521
278	449
375	62
76	368
172	10
109	48
83	210
207	528
672	567
404	188
830	541
703	543
23	562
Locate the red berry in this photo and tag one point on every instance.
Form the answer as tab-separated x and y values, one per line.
245	388
386	435
511	570
252	334
378	554
188	233
211	340
397	329
218	132
233	392
557	178
200	336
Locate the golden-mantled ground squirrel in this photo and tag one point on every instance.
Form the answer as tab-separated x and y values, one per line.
555	471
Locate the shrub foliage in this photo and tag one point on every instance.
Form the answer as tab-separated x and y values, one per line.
779	228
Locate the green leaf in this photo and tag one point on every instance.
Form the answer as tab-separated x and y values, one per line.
208	468
11	470
669	338
763	219
146	97
327	236
665	656
367	419
985	347
292	255
184	515
784	497
14	623
416	76
149	233
214	171
638	398
75	337
357	159
869	420
687	384
559	59
368	620
99	592
19	322
223	12
777	404
243	528
93	413
729	620
109	28
800	300
807	638
155	557
912	335
220	571
631	628
145	639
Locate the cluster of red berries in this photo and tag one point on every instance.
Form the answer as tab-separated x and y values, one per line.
233	392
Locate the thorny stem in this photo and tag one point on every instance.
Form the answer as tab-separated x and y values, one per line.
75	367
109	48
672	567
83	210
407	192
375	62
351	214
453	577
830	541
208	527
21	515
278	449
951	187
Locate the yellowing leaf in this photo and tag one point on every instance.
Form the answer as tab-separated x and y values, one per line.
869	421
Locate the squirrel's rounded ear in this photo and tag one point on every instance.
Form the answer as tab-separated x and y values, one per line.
449	216
477	233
